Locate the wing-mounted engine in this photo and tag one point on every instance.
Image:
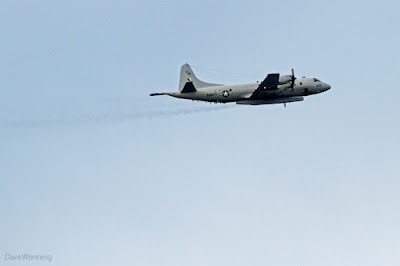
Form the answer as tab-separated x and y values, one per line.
287	82
284	82
285	79
275	83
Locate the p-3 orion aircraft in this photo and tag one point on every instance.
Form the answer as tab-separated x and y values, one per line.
274	89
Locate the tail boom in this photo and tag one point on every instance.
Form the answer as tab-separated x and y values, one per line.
157	94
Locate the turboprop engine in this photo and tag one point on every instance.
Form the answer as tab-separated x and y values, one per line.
285	79
285	82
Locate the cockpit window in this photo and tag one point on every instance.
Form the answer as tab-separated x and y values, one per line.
317	80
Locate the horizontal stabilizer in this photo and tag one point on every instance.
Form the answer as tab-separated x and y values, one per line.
271	101
189	87
156	94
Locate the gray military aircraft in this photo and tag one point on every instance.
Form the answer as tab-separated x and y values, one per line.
274	89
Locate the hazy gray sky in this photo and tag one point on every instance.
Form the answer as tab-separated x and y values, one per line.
96	172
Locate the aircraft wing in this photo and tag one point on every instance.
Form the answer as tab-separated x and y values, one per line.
270	82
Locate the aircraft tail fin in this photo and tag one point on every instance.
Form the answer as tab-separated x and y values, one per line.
188	81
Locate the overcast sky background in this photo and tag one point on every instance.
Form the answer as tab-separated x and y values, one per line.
95	172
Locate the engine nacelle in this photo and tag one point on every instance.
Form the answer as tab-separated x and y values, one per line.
285	79
284	86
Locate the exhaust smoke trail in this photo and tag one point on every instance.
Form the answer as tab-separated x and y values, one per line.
107	117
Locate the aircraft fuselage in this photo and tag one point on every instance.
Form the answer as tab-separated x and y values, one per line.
274	89
233	93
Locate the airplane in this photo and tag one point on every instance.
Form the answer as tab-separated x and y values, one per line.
275	89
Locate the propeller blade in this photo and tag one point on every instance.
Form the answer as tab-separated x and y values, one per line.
293	79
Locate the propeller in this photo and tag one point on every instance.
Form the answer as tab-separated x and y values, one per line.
293	79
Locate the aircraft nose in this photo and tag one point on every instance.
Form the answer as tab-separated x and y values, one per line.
327	86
